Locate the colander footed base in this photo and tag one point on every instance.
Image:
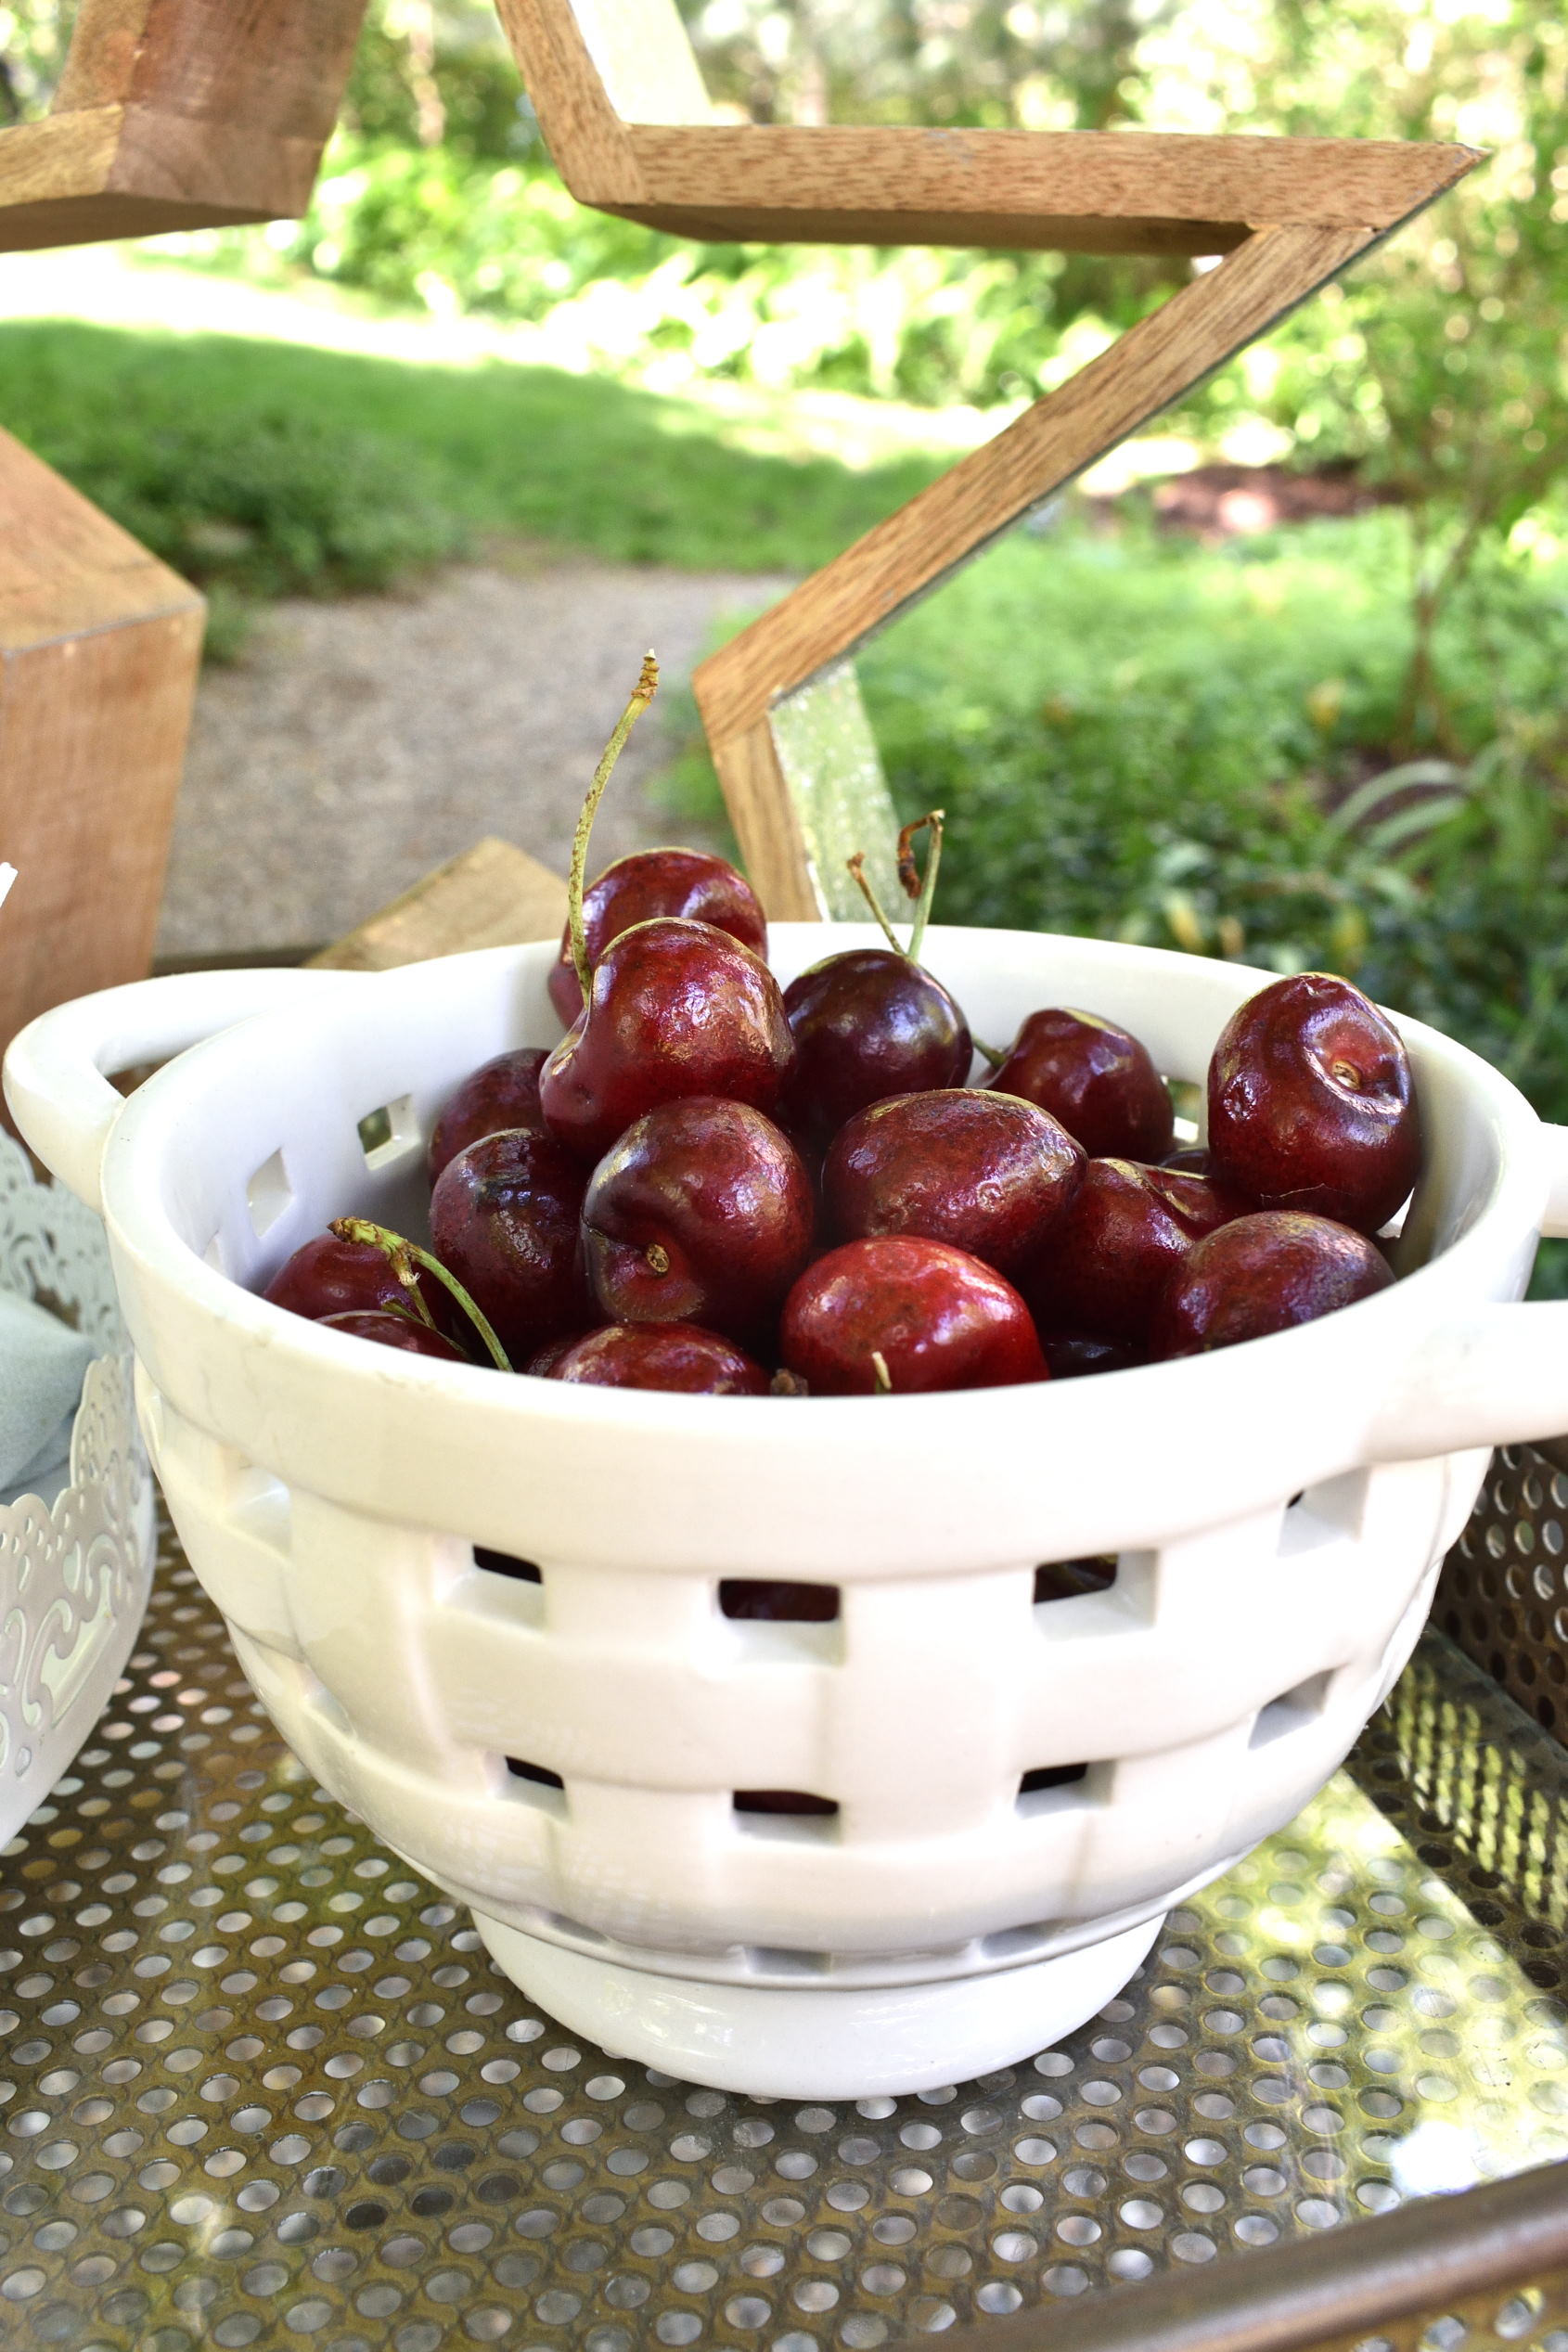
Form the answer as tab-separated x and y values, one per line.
810	2041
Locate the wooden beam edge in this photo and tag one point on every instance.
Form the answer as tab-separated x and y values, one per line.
180	170
989	231
1261	180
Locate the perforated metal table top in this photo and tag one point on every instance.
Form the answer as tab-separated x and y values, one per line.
261	2085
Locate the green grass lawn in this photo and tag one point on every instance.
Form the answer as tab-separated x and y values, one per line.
270	468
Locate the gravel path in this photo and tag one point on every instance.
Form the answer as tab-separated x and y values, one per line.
359	744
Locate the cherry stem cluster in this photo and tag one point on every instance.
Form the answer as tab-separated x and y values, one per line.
921	892
642	695
407	1260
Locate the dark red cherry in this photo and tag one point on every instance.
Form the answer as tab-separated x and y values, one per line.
504	1219
897	1313
1311	1104
658	882
678	1009
1262	1274
394	1329
500	1093
868	1025
986	1172
671	1356
701	1213
1122	1237
543	1361
1096	1078
1074	1355
329	1276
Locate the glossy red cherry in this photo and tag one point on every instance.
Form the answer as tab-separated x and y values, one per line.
988	1173
669	1356
899	1313
1311	1104
1264	1273
701	1213
1122	1235
326	1276
501	1093
391	1329
504	1218
678	1009
657	882
1096	1078
868	1024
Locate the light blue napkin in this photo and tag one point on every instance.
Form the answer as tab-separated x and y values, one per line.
42	1363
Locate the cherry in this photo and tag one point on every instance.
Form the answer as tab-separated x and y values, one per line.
1312	1105
1122	1235
677	1008
503	1092
988	1173
656	881
390	1328
543	1361
898	1313
669	1356
1096	1078
868	1024
329	1275
701	1213
1264	1273
504	1218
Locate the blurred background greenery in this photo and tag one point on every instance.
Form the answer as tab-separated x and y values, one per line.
1337	741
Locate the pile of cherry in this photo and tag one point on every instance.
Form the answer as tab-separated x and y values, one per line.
718	1185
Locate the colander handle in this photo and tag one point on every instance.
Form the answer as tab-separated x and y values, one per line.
1496	1375
55	1085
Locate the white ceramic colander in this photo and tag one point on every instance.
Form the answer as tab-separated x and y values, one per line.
1022	1786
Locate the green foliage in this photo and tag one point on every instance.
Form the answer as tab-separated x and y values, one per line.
245	489
273	466
1148	741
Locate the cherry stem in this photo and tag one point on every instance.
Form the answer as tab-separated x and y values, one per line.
880	1374
857	868
932	822
987	1053
642	695
406	1258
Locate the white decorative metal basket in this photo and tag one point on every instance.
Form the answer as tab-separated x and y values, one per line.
74	1568
506	1620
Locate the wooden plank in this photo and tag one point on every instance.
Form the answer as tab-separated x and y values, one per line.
907	555
586	138
494	895
266	66
760	177
179	114
98	651
772	844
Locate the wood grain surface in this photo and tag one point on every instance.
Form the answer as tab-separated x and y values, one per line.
98	651
761	178
493	895
588	142
772	844
179	114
